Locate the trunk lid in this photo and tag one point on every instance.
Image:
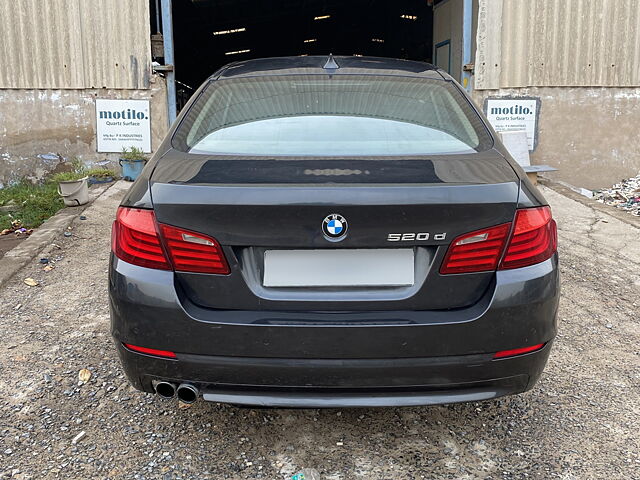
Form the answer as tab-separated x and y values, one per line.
255	205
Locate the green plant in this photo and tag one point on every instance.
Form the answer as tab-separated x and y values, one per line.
78	171
32	204
101	173
133	153
68	176
78	166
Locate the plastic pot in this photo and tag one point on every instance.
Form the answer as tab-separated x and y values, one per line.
74	192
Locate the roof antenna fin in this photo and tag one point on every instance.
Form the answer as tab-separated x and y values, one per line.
331	63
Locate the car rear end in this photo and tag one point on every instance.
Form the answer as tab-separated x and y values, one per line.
343	238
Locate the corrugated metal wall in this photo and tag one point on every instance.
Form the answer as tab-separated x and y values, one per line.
74	44
558	43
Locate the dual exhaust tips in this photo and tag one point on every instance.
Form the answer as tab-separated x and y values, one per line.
185	392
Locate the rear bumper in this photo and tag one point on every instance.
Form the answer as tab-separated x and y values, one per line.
315	359
340	383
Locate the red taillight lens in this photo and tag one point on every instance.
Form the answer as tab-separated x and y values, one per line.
194	252
518	351
478	251
150	351
134	239
534	238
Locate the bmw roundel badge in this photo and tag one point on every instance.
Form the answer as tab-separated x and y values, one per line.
334	227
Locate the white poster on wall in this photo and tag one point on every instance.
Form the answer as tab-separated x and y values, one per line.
509	114
123	124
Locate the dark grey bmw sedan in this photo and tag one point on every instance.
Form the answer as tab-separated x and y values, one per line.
333	232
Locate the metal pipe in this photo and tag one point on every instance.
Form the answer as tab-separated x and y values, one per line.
187	393
165	390
157	16
467	20
167	36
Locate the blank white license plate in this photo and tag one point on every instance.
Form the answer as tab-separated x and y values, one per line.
338	268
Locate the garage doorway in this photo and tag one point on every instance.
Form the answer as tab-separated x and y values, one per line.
211	33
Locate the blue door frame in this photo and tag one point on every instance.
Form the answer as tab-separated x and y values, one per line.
167	36
467	31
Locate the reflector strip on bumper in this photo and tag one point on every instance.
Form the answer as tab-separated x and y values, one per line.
518	351
151	351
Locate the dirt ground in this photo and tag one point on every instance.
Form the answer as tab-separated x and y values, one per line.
7	242
582	421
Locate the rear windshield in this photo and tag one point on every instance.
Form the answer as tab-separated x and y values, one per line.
340	115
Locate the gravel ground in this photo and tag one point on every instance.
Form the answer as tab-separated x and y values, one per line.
580	422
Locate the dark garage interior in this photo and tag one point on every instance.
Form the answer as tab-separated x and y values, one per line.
212	33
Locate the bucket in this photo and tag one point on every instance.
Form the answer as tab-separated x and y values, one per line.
131	169
74	192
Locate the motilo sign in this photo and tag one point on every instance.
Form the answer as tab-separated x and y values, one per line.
123	124
514	113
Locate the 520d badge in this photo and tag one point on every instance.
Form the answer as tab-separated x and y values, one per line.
412	237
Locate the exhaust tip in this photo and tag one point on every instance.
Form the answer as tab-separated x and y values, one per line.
187	393
166	390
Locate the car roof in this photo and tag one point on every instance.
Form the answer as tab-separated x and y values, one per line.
309	65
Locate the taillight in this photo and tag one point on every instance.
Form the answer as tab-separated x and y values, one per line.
478	251
135	240
193	252
533	240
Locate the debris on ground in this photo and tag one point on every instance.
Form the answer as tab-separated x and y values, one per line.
307	474
23	232
84	375
624	195
17	229
78	437
31	282
49	263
